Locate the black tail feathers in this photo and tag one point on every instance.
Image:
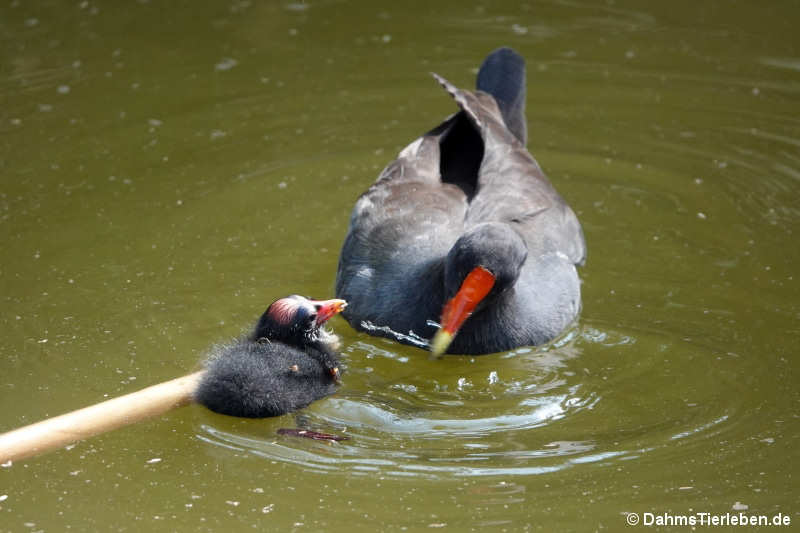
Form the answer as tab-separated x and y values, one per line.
503	76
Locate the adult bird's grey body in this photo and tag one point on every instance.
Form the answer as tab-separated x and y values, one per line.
464	222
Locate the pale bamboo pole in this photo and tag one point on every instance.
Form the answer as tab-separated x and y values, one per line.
77	425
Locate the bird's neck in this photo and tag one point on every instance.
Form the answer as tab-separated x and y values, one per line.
323	354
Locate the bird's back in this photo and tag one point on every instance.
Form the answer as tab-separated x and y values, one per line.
258	379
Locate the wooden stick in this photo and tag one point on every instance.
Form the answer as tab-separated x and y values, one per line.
61	430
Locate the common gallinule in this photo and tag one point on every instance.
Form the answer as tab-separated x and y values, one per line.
463	228
287	362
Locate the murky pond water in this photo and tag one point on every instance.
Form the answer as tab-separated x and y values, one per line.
167	171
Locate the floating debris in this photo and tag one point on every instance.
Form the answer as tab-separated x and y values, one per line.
411	337
315	435
226	63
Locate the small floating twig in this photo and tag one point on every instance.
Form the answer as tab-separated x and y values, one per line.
411	337
315	435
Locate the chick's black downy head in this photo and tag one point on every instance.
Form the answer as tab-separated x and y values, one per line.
298	321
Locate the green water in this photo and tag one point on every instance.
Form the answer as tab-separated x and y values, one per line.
168	170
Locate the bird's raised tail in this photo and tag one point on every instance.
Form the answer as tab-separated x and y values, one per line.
502	75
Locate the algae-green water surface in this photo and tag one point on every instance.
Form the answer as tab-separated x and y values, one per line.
168	169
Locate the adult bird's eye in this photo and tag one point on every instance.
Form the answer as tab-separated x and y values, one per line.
312	318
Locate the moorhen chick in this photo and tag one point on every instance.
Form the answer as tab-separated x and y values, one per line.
465	229
287	362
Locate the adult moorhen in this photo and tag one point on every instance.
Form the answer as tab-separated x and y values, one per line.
286	363
464	227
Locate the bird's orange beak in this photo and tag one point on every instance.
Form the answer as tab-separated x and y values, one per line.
327	308
475	287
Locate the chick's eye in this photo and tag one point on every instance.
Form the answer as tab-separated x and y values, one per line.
304	317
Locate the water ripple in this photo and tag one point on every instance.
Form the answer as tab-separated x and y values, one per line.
447	420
